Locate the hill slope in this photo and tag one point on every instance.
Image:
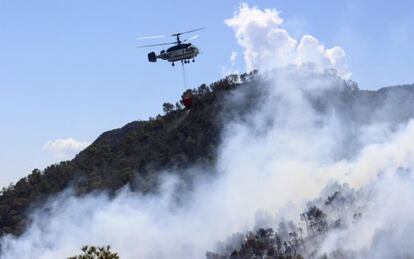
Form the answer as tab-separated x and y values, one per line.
135	153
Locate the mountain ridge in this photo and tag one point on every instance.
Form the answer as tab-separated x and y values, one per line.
135	153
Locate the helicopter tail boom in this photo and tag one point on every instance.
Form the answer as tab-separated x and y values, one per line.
152	57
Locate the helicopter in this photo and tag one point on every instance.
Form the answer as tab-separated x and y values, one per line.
181	51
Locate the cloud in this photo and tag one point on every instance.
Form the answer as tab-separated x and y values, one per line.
65	148
267	45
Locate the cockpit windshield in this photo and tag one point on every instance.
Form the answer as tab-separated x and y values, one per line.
180	46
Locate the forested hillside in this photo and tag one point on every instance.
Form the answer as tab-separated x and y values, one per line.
134	154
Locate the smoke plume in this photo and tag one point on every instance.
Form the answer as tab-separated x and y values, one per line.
285	154
268	45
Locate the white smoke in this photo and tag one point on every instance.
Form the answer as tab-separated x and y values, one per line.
281	156
231	69
268	45
386	226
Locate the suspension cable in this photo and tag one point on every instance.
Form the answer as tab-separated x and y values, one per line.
184	77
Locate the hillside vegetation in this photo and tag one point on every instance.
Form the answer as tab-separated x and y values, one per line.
130	155
135	154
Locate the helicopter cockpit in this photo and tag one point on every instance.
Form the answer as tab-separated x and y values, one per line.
179	46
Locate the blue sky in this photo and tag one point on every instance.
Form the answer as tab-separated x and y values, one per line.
70	69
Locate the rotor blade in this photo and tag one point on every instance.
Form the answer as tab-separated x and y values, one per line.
179	33
192	38
151	37
161	44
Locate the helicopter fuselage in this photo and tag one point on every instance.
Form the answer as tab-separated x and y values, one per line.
179	52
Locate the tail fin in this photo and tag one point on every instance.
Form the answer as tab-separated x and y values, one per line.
152	57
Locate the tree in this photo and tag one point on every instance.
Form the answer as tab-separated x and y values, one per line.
92	252
167	107
315	220
203	90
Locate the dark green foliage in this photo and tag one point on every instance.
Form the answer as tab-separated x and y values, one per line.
132	155
92	252
135	154
264	243
315	220
167	107
28	191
